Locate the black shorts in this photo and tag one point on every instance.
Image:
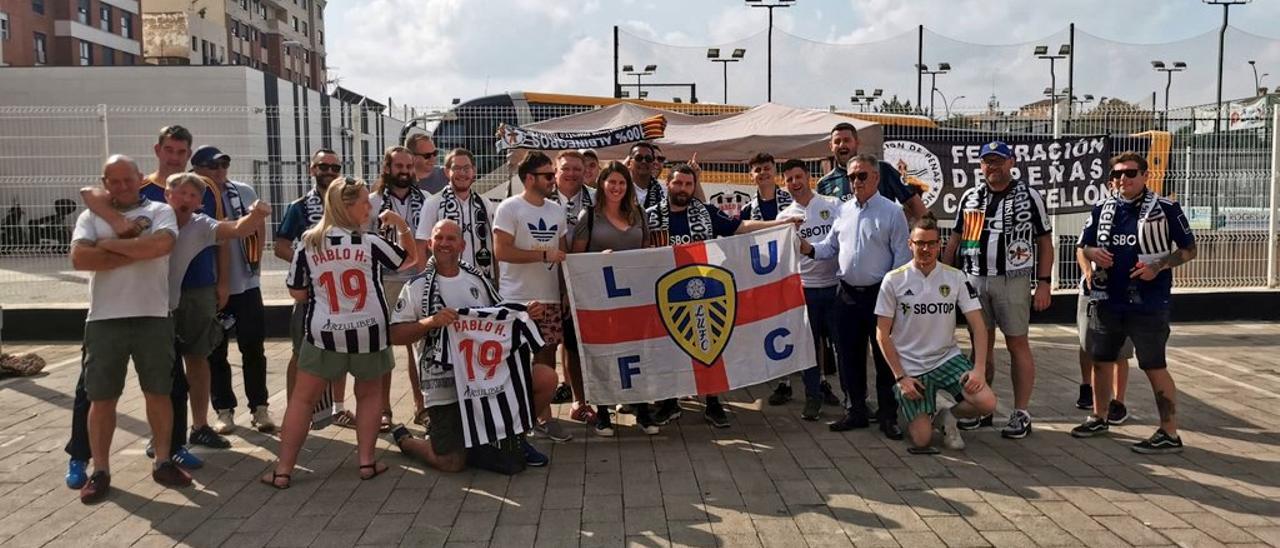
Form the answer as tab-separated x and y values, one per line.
1149	331
444	430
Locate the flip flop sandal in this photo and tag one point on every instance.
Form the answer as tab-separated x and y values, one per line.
376	470
288	480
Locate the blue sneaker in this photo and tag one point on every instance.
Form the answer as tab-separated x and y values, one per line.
184	458
531	455
76	476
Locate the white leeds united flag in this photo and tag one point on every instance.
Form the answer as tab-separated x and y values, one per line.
700	318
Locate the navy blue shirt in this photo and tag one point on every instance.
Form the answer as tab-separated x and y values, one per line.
1126	248
721	224
768	210
836	183
203	270
294	222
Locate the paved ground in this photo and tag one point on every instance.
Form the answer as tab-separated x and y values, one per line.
769	480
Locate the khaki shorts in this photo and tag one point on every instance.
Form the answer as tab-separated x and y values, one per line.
1086	308
195	321
297	323
331	365
108	345
550	323
1006	303
445	428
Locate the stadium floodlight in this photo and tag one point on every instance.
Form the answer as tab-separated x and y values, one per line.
1222	42
769	64
713	53
734	57
739	53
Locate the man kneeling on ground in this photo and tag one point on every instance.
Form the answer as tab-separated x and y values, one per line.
427	304
916	331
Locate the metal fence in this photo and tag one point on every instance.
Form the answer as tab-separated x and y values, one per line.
1224	180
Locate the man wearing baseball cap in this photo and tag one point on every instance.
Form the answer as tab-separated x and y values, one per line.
244	312
1000	239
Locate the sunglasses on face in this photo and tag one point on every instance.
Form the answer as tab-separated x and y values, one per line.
549	175
646	158
224	164
426	155
1118	173
859	175
333	168
661	159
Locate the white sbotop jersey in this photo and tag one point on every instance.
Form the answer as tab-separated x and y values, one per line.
346	310
818	216
923	309
491	353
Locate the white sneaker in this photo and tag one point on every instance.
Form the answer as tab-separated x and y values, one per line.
262	420
225	423
950	430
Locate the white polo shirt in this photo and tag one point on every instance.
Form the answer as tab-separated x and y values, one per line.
923	309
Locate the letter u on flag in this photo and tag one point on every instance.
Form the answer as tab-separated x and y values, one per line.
700	318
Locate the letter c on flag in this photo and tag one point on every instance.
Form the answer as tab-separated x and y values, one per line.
771	350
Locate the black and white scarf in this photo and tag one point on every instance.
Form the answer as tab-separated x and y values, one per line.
416	200
313	201
1153	226
432	302
781	197
248	244
451	208
573	206
700	227
654	194
1017	234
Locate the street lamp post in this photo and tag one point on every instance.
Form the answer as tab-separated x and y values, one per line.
1159	66
1257	80
1042	52
1222	41
713	55
630	71
952	103
770	7
943	68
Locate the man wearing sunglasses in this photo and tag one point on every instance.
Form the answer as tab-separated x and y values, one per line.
868	239
244	310
1001	238
1136	237
844	145
640	161
430	178
301	215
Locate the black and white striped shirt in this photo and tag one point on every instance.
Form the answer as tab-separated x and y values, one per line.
491	353
346	308
998	230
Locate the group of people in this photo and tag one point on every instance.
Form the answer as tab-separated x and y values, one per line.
394	263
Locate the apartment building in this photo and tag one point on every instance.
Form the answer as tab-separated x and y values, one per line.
70	33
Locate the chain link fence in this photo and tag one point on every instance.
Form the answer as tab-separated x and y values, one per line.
1223	179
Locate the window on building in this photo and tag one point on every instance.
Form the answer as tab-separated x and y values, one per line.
244	5
127	59
4	26
320	33
108	57
82	12
126	24
86	54
195	44
304	29
37	6
104	17
42	56
295	24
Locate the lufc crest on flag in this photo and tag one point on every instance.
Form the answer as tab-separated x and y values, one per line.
698	306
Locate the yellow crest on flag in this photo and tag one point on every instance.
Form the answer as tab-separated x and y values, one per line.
698	306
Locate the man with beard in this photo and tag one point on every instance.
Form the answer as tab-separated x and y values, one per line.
528	233
395	191
244	308
458	204
844	145
680	218
301	215
430	178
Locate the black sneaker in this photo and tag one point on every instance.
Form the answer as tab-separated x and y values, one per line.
781	394
1092	426
604	426
562	395
716	416
668	410
974	424
812	409
1117	413
205	436
829	396
1085	401
1159	443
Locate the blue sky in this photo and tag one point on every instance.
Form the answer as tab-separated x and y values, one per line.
425	52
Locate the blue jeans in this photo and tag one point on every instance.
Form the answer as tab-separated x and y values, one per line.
820	302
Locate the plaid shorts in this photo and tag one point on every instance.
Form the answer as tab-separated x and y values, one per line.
550	323
944	377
